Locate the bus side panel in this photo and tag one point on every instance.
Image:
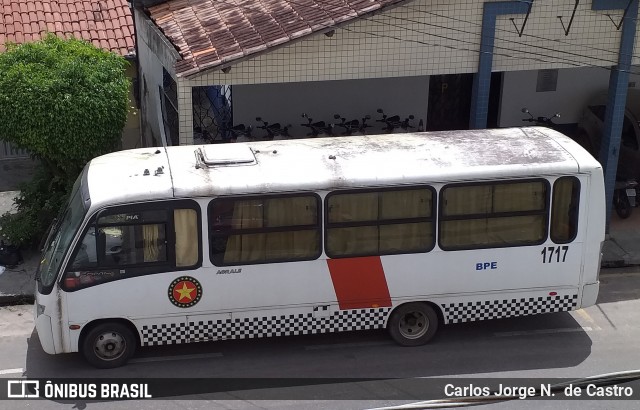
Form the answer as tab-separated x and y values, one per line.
461	308
437	273
295	288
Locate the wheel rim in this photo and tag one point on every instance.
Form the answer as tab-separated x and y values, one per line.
110	346
413	325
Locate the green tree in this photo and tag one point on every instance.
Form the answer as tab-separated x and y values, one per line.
66	102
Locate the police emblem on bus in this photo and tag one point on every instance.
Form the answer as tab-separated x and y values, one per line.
185	291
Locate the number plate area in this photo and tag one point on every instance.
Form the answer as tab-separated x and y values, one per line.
554	254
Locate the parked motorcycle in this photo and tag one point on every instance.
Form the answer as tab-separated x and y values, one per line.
624	197
317	128
543	121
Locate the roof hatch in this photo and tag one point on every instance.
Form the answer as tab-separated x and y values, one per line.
224	154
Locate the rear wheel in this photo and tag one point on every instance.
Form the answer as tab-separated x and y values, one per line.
413	324
109	345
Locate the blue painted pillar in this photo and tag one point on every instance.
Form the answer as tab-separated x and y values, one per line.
617	96
482	79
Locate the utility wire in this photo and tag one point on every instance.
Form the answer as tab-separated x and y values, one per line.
554	59
613	62
524	34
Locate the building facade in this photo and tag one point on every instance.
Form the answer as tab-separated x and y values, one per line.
454	64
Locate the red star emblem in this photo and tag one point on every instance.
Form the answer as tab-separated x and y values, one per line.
185	291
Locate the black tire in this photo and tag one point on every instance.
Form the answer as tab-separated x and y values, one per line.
413	324
622	206
109	345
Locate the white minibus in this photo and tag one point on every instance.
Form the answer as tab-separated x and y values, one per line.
406	232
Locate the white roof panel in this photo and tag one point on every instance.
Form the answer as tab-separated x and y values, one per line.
120	176
317	164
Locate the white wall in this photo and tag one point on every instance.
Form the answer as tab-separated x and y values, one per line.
285	103
131	136
153	55
575	88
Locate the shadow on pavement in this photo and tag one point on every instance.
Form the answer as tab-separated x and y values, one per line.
344	361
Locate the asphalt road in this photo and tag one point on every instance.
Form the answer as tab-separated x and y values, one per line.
359	370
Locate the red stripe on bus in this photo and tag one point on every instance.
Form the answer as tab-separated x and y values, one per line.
359	282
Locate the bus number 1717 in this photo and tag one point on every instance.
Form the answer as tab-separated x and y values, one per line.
548	252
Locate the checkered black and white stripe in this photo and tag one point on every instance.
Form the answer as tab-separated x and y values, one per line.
265	326
170	333
494	309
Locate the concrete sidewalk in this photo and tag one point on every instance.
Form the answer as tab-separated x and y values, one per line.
17	284
621	249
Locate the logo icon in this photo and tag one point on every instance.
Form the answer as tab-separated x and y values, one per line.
185	291
23	389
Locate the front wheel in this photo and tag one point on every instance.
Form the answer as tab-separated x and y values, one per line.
413	324
109	345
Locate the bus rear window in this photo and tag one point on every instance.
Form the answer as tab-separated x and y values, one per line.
564	209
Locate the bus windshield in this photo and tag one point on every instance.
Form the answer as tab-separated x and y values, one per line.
60	237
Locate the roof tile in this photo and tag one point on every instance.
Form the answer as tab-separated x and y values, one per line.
69	17
239	28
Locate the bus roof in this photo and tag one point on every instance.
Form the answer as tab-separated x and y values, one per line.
332	163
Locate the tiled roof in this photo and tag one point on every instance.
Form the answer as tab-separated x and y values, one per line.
105	23
211	33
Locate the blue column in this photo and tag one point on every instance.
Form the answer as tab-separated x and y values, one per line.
617	97
482	79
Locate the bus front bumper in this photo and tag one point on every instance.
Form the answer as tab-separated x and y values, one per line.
45	333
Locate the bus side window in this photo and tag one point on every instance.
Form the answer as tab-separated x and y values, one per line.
385	222
263	230
564	209
186	229
482	215
133	237
86	256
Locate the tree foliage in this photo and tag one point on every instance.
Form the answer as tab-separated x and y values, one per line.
66	102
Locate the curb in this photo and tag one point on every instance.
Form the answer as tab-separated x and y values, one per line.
617	263
12	300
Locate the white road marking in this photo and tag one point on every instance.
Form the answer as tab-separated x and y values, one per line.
545	331
174	358
18	370
346	345
583	313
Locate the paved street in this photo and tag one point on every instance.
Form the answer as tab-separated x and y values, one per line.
597	340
